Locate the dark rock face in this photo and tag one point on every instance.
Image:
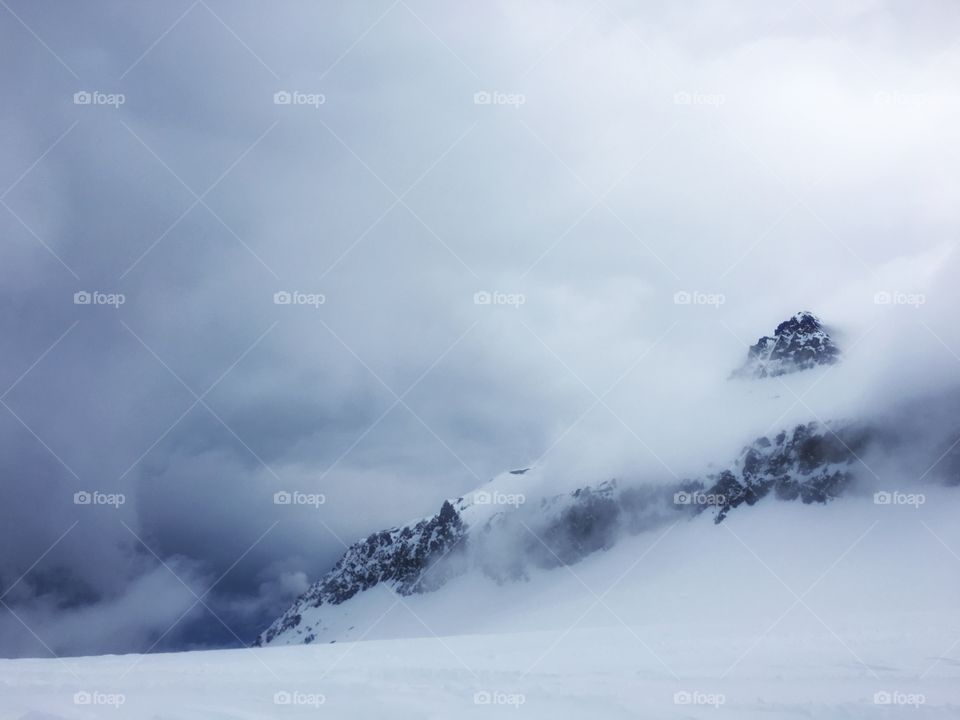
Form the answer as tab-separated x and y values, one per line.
813	463
799	343
403	557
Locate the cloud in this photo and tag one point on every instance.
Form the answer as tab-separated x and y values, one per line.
779	159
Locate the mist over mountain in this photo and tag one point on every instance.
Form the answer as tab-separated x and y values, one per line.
288	291
502	532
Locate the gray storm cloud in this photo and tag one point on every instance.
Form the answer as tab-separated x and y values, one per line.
481	217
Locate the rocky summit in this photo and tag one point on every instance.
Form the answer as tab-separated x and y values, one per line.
800	343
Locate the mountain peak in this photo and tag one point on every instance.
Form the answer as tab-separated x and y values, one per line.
799	343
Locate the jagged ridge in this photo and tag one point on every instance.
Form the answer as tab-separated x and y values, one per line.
400	556
812	463
800	343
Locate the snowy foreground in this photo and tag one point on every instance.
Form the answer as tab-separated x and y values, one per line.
786	611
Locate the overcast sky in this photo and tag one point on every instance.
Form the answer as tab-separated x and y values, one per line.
580	163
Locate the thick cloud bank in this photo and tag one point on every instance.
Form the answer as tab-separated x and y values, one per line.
371	254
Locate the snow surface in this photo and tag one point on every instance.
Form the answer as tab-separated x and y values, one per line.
782	611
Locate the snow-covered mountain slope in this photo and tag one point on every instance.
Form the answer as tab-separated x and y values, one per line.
799	343
501	534
784	612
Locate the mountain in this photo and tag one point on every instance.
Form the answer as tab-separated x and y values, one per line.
812	463
510	530
399	557
800	343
